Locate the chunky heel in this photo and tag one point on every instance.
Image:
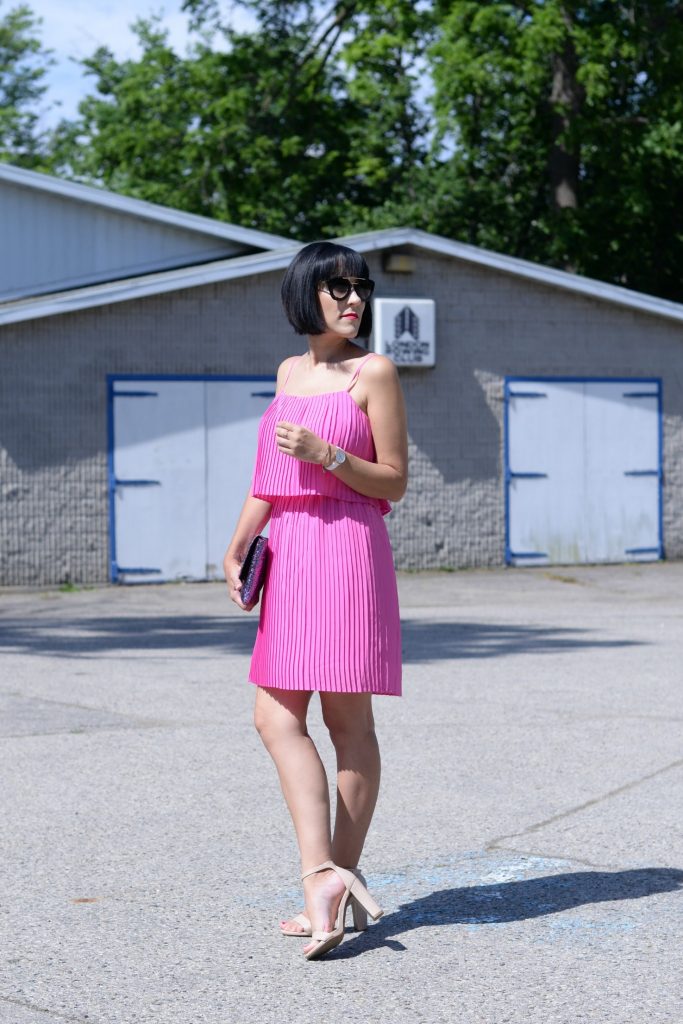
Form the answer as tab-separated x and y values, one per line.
360	915
362	896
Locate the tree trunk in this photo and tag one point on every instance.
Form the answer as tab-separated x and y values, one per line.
565	100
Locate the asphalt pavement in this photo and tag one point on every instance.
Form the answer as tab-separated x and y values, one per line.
527	846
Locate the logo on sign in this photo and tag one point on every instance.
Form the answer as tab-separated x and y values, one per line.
406	347
404	330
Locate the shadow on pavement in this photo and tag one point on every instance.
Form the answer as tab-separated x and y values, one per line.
86	637
422	641
513	901
436	641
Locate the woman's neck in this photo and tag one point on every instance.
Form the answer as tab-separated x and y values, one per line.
328	349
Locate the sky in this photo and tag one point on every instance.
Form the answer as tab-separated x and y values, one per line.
75	28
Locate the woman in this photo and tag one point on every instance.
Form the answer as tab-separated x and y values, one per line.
332	452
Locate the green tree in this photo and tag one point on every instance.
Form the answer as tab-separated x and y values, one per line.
373	52
565	126
383	57
254	134
23	65
132	131
293	129
548	129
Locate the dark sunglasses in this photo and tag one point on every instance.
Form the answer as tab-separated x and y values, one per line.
341	287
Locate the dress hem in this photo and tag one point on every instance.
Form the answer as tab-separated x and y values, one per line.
318	689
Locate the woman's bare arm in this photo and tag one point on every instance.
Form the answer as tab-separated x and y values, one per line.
253	517
386	478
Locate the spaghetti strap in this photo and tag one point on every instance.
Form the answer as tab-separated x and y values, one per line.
360	367
289	372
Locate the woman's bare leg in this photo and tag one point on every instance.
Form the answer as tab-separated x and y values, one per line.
351	725
280	718
349	720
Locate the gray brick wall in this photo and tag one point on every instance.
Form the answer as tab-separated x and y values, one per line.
491	325
53	429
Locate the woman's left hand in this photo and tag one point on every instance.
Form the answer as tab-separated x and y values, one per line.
301	443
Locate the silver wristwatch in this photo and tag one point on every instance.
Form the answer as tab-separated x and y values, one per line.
338	460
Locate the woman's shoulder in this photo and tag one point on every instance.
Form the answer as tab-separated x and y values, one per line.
288	363
379	370
284	369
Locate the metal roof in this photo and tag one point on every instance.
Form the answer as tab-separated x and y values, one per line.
140	208
371	241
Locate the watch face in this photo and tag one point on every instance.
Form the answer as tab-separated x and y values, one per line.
340	457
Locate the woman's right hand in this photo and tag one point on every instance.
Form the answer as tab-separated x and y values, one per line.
231	568
253	517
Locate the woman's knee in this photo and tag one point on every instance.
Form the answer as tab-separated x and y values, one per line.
262	721
280	716
348	718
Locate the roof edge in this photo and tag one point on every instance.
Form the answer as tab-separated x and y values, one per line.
127	289
140	208
550	276
144	286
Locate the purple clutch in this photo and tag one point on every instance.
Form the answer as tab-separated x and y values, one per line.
253	571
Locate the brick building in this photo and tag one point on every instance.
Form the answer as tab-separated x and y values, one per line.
547	431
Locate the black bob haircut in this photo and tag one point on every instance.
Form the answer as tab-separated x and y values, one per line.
315	263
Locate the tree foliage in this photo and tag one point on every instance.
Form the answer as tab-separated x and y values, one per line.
548	129
297	131
236	134
23	64
565	122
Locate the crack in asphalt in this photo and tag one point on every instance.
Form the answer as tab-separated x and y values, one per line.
42	1009
495	844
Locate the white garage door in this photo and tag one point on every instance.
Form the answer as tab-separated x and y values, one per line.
181	459
582	470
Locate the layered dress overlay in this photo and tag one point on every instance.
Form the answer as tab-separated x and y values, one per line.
329	608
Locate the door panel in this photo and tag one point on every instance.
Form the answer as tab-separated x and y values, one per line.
159	469
622	504
234	409
546	508
583	471
183	455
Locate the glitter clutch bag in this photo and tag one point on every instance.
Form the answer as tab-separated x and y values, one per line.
253	571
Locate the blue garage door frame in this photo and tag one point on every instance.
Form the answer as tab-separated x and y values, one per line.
523	391
210	450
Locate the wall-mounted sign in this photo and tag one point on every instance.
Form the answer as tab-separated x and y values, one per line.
403	329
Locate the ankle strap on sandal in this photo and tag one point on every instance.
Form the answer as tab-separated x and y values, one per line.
326	865
329	865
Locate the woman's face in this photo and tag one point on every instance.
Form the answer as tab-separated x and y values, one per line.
342	316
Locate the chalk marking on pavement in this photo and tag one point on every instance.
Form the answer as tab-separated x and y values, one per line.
569	859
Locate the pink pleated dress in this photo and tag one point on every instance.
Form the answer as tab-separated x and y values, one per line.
329	608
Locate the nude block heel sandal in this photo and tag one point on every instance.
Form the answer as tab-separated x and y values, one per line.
325	941
360	916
